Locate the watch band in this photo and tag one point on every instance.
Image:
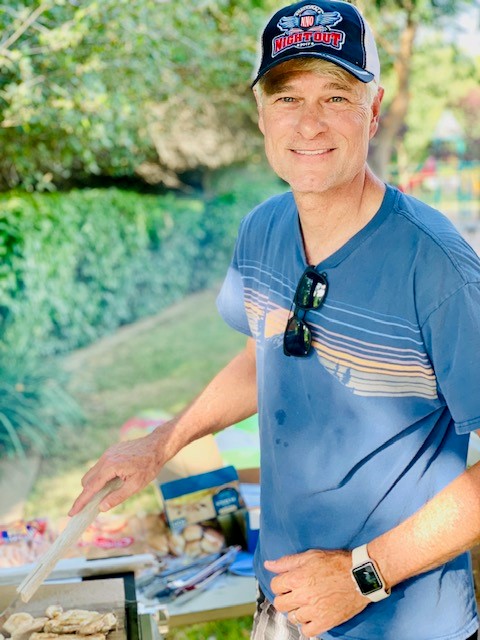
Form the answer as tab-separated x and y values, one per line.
362	563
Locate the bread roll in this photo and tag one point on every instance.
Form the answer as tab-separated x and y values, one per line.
212	541
192	532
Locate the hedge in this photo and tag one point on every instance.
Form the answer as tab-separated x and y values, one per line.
75	266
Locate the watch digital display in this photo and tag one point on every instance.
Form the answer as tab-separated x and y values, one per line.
367	578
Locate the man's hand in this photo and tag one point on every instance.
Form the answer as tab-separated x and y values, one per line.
316	589
136	462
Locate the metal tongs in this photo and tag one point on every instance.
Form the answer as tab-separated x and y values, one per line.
172	583
74	529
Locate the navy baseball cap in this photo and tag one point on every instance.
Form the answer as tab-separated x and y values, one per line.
329	29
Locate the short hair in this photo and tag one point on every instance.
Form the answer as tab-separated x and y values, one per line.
269	83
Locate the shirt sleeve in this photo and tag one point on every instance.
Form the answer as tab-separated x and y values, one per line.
452	337
231	299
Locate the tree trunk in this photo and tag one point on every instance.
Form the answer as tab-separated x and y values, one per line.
393	119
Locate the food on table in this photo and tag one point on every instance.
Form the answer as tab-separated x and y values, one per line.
53	611
24	541
101	623
19	624
73	624
212	541
192	532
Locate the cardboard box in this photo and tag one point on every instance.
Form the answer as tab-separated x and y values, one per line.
198	457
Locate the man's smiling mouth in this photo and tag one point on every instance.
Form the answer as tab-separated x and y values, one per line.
316	152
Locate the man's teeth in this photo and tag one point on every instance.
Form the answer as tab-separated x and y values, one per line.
319	152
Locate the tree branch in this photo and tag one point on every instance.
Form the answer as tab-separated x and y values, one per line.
386	45
23	27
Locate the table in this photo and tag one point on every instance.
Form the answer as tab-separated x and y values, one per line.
229	596
232	597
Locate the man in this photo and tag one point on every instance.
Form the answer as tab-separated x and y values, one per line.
361	307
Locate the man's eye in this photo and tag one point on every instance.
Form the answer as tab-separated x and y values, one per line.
286	99
337	99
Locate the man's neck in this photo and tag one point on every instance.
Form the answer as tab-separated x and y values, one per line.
328	220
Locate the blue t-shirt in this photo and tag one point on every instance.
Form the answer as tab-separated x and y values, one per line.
375	421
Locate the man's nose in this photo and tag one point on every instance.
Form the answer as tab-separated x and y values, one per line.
311	121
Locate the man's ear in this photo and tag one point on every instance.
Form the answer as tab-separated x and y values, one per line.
377	101
258	100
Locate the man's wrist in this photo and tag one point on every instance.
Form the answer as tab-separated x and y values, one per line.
167	441
377	552
367	575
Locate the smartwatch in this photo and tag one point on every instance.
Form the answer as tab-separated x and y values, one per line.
367	575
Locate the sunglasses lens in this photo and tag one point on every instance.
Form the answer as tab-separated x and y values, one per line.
311	290
310	294
297	339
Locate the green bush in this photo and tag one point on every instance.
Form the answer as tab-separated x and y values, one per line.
33	403
75	266
78	265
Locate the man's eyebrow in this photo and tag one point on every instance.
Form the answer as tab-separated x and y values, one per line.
340	86
282	87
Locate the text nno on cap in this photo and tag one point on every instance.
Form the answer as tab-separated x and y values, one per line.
332	30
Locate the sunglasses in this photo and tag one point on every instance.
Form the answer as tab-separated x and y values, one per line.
310	294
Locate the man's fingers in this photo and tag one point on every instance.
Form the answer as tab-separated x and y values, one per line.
285	603
80	502
136	462
112	500
288	602
279	586
89	475
116	497
90	488
102	470
312	629
286	563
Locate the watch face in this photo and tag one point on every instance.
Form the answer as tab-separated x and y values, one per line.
367	578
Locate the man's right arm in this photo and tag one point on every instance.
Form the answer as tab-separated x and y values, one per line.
230	397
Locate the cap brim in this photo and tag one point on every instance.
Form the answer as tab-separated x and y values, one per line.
358	72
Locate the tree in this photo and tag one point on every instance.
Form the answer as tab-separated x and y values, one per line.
468	109
112	87
396	24
160	88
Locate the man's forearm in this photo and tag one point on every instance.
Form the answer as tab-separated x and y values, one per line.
444	527
229	398
317	585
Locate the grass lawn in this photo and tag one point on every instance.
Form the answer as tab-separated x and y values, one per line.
159	363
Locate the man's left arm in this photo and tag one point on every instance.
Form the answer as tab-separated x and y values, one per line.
318	587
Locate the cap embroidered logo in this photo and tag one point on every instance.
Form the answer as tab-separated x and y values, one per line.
308	26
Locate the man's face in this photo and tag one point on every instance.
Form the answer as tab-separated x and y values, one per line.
317	129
